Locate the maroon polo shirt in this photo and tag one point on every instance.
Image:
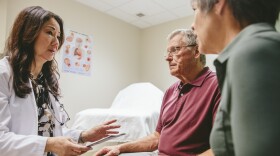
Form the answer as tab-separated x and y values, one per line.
187	115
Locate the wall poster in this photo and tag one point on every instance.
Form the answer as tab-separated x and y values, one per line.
77	53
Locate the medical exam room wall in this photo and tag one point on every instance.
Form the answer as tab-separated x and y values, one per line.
116	47
3	11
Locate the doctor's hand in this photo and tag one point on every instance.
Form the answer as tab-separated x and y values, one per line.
100	131
64	146
108	151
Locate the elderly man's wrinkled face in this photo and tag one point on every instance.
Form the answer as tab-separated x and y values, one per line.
180	56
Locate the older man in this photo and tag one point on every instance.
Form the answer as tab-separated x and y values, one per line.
189	105
242	31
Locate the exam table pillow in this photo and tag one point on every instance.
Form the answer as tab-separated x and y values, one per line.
139	96
136	108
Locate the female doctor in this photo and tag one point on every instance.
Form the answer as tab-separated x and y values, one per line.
31	118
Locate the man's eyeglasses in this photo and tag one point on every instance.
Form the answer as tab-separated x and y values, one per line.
174	50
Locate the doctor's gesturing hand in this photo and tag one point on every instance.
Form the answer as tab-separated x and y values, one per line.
99	132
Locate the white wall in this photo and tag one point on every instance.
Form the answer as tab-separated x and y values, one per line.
115	56
3	15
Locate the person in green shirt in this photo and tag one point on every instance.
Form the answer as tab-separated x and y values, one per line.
243	33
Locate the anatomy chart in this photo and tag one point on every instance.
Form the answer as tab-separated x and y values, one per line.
77	53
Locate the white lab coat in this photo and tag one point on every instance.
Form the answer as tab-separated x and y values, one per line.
19	120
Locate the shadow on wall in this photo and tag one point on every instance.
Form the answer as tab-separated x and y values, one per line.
1	55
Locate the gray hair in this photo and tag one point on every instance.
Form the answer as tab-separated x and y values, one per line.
188	33
205	5
190	39
247	11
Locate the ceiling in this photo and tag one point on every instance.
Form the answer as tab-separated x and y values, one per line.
155	11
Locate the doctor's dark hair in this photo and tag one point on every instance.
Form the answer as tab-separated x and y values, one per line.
20	49
247	11
190	39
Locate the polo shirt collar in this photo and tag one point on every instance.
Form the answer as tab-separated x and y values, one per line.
199	80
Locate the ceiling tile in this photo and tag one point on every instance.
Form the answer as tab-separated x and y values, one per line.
155	11
114	3
182	11
96	4
141	24
122	15
146	7
172	3
159	18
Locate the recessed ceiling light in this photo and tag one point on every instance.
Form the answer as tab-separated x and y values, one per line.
140	14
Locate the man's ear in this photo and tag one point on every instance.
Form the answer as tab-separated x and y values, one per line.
196	52
219	7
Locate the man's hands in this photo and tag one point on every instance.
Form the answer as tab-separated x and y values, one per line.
100	131
207	153
64	146
108	151
145	144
